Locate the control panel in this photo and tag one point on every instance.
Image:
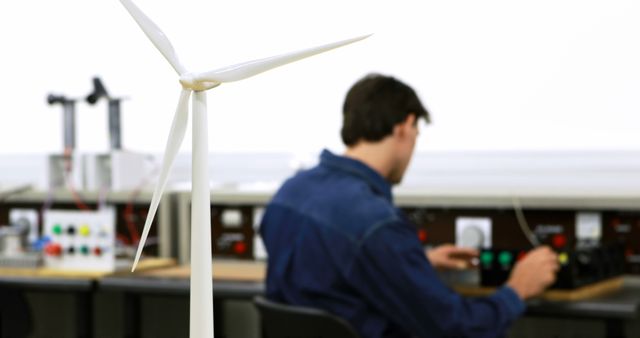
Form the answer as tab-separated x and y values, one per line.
235	221
565	230
624	227
578	267
234	230
80	240
129	220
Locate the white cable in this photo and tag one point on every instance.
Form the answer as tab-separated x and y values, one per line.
524	226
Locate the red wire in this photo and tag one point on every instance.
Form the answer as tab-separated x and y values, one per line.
131	226
128	213
76	197
123	238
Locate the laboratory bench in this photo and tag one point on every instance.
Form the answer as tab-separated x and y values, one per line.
232	280
81	285
242	280
613	305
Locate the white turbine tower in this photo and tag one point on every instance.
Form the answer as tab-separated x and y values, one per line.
201	301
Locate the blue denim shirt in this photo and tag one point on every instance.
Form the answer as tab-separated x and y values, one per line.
336	242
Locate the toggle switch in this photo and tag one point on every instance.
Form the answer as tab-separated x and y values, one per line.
84	250
53	249
486	258
505	258
559	241
85	230
57	229
563	258
239	248
422	235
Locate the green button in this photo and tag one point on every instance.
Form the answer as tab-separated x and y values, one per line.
505	258
57	229
84	249
486	257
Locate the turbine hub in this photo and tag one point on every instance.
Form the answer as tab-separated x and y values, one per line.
188	81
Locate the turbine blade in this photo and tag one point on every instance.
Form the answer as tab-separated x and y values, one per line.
247	69
155	34
176	135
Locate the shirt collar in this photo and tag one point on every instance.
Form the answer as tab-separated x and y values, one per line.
357	168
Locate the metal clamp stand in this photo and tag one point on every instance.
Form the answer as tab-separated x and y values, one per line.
100	91
69	119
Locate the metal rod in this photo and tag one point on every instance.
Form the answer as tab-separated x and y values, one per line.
114	124
69	120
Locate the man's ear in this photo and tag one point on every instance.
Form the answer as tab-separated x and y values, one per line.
402	128
410	121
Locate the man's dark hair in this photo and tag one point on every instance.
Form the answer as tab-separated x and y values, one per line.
374	105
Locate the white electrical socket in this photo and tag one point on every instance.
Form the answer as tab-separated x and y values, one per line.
473	232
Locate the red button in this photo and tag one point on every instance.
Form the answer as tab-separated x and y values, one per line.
521	255
97	251
615	222
422	235
53	249
629	252
559	241
239	247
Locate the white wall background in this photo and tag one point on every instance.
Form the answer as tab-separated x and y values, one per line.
497	75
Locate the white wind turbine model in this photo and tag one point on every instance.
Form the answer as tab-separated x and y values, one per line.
201	301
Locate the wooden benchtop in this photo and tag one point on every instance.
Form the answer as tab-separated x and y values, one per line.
255	271
236	270
43	272
581	293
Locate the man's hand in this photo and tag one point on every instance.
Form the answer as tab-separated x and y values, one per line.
534	273
449	256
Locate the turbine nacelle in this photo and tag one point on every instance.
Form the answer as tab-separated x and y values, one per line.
191	81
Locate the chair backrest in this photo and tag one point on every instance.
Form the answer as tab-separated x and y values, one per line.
15	314
288	321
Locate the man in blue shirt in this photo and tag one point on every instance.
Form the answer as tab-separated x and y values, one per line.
336	242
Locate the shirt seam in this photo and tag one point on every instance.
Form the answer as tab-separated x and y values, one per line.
354	171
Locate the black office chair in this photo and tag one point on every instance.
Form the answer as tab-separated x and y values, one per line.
15	314
287	321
